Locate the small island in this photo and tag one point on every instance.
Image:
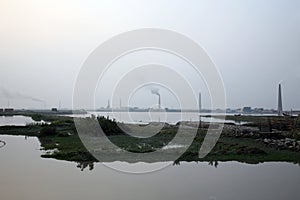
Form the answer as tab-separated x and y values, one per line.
258	139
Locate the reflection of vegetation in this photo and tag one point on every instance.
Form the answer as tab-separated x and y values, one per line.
250	148
213	163
83	165
2	143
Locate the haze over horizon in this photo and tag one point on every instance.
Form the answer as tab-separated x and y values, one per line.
254	44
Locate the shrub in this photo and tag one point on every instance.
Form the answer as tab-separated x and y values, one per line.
48	131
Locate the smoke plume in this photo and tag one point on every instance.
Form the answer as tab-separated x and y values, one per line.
155	91
9	95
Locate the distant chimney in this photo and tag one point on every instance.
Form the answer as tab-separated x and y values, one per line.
200	102
159	102
108	104
279	110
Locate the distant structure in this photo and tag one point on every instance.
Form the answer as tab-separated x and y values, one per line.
108	104
159	102
279	110
7	110
54	109
156	92
200	109
247	109
200	102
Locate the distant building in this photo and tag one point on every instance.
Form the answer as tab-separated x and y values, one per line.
229	110
8	110
258	110
54	110
247	109
238	110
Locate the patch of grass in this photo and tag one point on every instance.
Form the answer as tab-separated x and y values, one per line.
62	135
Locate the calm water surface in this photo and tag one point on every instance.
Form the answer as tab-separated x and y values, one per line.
146	117
15	120
24	175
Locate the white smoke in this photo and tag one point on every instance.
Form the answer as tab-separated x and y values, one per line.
155	91
9	95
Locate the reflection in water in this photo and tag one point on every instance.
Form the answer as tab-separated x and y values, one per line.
83	165
2	144
91	165
214	163
60	180
210	163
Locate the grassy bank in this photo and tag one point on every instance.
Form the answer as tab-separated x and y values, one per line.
62	136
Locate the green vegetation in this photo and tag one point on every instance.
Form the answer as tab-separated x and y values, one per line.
268	123
47	131
245	150
61	136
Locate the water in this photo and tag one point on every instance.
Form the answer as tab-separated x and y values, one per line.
15	120
18	120
169	117
26	176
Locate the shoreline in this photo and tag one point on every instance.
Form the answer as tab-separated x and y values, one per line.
251	143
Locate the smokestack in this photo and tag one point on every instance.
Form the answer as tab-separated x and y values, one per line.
155	91
200	102
279	110
108	104
159	102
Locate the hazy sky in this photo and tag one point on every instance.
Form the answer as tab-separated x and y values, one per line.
255	44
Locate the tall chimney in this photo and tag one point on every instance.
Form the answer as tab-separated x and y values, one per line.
159	102
200	102
279	110
108	104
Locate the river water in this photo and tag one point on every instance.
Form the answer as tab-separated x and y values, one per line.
15	120
129	117
24	175
169	117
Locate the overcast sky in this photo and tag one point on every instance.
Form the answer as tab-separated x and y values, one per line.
255	45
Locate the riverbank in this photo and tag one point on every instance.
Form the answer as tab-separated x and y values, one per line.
248	143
